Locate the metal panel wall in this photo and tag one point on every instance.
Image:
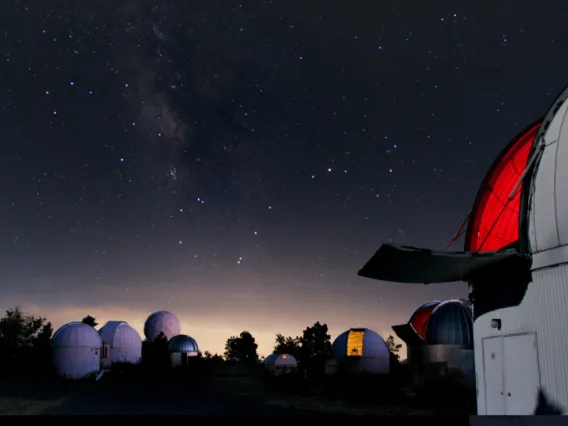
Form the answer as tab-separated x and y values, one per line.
543	311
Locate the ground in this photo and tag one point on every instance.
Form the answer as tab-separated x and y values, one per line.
224	394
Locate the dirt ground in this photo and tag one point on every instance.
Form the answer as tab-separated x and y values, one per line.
219	395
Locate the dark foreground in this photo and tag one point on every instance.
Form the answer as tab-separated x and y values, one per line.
233	395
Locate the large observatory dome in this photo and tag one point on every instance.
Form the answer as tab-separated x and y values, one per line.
359	342
546	197
76	334
161	322
494	220
76	350
451	323
182	343
365	349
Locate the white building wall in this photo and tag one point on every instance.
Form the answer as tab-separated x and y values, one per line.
544	312
548	208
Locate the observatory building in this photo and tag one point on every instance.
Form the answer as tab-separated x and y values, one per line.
280	364
363	351
161	322
121	343
76	351
182	348
413	333
439	339
516	263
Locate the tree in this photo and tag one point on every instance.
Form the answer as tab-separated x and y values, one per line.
315	345
287	345
24	338
394	348
207	355
241	349
89	320
155	352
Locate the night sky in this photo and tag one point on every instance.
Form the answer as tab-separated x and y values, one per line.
238	163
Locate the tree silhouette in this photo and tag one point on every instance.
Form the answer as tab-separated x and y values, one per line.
89	320
315	345
24	338
394	347
287	345
207	355
241	349
155	352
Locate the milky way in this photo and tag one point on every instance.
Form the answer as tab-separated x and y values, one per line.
237	163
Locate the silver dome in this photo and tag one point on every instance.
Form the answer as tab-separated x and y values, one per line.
451	323
182	343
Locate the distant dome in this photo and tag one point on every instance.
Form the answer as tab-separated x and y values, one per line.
421	316
280	360
451	323
76	334
161	322
182	343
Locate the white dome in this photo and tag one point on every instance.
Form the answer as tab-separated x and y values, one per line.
76	334
548	199
280	360
125	342
161	322
76	350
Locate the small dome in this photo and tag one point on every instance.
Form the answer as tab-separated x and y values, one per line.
76	334
359	342
451	323
280	360
161	322
182	343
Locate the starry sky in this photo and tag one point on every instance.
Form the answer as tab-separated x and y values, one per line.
237	163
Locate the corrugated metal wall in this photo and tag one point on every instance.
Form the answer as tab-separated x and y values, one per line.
544	312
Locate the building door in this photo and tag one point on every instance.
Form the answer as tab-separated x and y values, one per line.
493	376
521	373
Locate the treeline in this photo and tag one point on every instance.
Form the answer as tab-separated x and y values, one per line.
25	345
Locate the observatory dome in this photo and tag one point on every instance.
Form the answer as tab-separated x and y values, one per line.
284	360
365	347
547	199
421	316
182	343
125	342
76	350
451	323
161	322
494	220
76	334
359	342
413	333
